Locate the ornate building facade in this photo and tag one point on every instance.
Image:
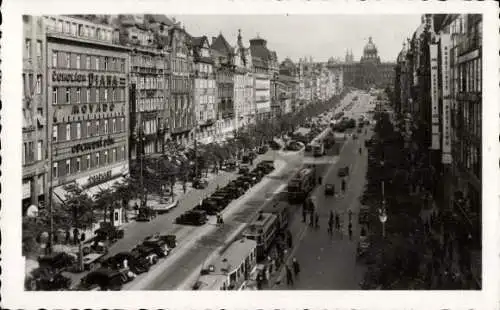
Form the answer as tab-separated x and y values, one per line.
369	71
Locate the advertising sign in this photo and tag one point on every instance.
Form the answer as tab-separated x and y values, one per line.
434	97
445	70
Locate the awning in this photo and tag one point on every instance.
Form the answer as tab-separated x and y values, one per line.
60	193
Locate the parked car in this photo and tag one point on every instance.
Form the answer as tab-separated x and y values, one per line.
170	240
210	205
244	170
160	246
56	261
200	183
109	232
105	279
241	182
329	189
192	217
46	279
343	172
149	254
136	262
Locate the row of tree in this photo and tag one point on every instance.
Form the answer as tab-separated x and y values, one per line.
80	210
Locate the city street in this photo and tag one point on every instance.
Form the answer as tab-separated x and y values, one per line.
330	262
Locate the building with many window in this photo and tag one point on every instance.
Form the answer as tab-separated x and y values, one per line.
224	55
34	153
149	81
205	90
87	104
261	65
182	110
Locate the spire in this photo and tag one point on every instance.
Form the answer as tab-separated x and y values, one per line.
370	39
240	41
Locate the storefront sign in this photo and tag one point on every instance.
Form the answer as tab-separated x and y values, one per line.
93	80
92	108
81	147
26	189
434	97
445	69
99	178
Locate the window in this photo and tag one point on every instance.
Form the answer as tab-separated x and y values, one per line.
105	95
113	68
55	171
54	59
114	155
68	131
78	165
38	86
54	133
78	59
106	63
68	166
89	129
97	95
80	30
105	126
122	123
67	97
87	62
28	48
39	49
97	128
78	130
39	150
114	124
97	63
97	160
88	95
87	161
105	157
115	94
122	65
68	60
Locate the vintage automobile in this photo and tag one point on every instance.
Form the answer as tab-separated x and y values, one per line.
343	172
241	182
364	215
210	205
109	232
150	253
192	217
200	183
105	279
329	189
56	261
244	170
46	279
136	262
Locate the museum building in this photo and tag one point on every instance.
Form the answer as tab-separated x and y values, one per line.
87	100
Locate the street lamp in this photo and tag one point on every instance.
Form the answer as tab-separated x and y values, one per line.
141	139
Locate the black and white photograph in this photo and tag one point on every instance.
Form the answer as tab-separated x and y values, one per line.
249	152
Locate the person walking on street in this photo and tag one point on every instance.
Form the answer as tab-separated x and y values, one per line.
337	222
350	215
304	214
350	230
316	220
330	224
343	185
296	267
289	276
311	218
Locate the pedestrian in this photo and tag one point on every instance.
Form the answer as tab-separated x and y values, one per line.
68	236
350	215
296	267
289	238
311	218
350	231
289	276
316	220
343	185
337	221
330	224
184	187
304	214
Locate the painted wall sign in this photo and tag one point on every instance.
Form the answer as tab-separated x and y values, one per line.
92	79
99	178
81	147
92	108
445	69
68	77
434	97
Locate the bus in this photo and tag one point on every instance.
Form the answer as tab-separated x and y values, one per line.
318	148
262	230
300	185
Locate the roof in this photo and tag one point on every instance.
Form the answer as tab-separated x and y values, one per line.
226	263
220	44
198	41
159	18
370	46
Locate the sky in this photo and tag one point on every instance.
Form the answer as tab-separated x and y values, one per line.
319	36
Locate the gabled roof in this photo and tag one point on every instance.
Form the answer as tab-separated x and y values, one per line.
220	44
159	18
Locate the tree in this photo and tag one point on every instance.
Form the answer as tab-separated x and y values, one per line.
79	204
105	201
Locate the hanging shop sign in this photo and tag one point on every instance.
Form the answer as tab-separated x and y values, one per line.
92	108
434	97
445	70
82	147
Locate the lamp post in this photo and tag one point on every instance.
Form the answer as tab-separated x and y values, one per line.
51	176
141	139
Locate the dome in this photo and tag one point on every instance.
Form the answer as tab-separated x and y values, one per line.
370	47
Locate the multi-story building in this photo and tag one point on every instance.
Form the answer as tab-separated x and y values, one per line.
247	115
181	114
205	90
223	55
240	71
274	84
289	86
260	59
149	76
34	154
87	104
